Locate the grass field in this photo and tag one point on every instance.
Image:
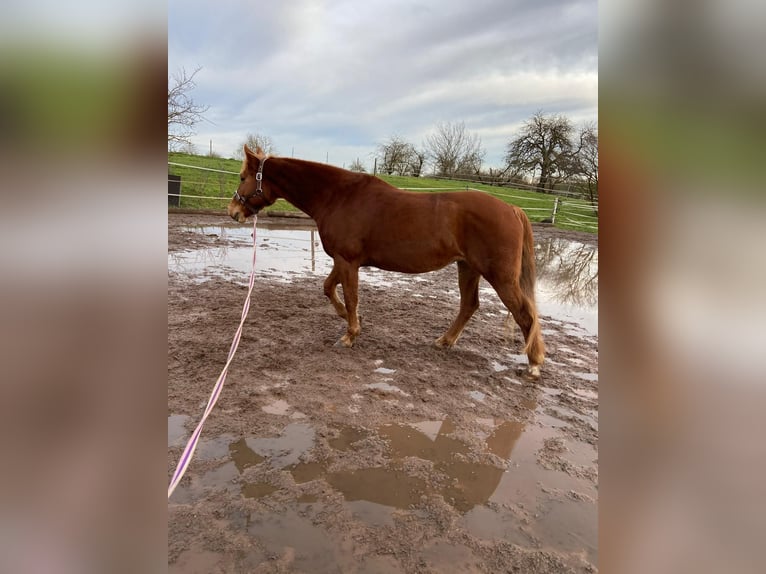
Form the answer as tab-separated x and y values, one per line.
217	189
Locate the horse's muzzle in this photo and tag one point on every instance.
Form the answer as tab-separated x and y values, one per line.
236	212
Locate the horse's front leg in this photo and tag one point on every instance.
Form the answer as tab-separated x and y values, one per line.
349	279
331	291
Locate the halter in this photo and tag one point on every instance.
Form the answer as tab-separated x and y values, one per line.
258	183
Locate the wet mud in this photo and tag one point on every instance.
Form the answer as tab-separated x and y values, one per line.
393	456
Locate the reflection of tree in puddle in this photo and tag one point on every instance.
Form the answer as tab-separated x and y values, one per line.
571	268
293	249
197	257
189	262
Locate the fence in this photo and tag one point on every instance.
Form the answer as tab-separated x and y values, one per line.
571	214
560	211
557	188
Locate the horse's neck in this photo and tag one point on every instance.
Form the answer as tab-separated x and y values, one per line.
302	184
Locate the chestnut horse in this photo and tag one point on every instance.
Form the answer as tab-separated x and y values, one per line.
363	221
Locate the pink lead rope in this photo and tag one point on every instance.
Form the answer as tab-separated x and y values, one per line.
186	457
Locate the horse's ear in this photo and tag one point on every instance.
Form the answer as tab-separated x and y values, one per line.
259	151
250	157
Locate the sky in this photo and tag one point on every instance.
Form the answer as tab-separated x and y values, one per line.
331	80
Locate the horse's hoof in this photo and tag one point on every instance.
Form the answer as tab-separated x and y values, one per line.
530	374
344	341
441	343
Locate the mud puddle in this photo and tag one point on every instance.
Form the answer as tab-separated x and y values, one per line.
282	252
501	480
567	282
393	456
567	271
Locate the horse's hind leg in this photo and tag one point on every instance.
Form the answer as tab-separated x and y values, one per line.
330	289
468	280
525	313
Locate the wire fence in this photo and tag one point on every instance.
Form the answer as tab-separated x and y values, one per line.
563	211
202	168
556	190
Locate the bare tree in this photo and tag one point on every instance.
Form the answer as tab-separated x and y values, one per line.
417	161
545	145
255	141
400	157
454	150
357	166
189	148
183	111
587	159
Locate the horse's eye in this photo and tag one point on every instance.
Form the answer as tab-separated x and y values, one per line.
241	178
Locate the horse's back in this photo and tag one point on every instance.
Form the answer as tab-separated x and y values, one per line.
419	232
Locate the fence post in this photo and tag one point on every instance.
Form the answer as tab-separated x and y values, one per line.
313	257
555	209
174	190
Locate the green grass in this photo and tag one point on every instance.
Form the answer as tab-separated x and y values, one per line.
222	185
211	184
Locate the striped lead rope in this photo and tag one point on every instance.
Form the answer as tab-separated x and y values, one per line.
186	457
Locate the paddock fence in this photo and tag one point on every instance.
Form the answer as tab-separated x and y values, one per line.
190	187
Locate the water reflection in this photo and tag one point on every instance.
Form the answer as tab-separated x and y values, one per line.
421	460
567	271
243	456
282	251
462	482
571	268
467	484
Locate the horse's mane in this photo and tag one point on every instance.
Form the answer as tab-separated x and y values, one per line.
321	168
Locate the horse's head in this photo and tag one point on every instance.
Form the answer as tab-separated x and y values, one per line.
250	198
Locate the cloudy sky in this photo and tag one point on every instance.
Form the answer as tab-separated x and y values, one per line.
334	78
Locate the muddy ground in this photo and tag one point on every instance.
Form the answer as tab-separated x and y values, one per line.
393	456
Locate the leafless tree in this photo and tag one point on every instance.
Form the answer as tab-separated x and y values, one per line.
587	159
543	145
454	150
357	166
400	157
254	141
417	161
183	111
189	148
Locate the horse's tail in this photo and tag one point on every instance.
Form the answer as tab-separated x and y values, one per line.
535	348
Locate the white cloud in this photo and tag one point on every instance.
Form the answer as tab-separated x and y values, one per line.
341	76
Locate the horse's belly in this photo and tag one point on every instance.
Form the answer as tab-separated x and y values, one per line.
412	261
